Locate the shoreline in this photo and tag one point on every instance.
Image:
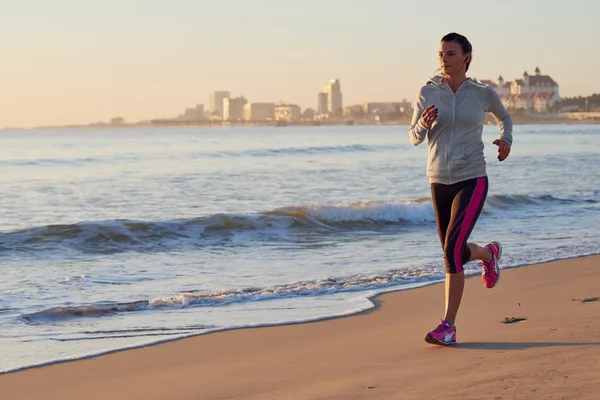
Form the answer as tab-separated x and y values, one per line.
373	299
218	124
300	339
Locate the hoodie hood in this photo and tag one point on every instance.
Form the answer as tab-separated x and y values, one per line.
439	79
435	80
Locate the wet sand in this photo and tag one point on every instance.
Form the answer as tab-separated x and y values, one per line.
553	353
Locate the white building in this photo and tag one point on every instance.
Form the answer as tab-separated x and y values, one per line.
216	100
233	108
387	107
333	90
533	92
259	111
287	112
501	87
323	103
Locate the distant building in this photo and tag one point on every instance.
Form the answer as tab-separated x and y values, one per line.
287	112
192	114
533	92
259	111
355	111
501	87
308	114
233	108
323	103
117	121
333	90
387	107
216	100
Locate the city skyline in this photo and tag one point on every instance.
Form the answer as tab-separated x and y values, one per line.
217	99
536	92
72	63
221	104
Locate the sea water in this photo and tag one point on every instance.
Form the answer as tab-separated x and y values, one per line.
121	237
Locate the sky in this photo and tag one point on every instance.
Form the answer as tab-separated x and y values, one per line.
81	61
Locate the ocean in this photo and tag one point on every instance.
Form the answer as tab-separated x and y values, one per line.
115	238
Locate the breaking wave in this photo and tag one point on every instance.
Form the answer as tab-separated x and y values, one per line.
131	235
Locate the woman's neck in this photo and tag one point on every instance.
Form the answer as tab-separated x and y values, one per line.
454	81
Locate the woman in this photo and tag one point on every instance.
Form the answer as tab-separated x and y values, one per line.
450	111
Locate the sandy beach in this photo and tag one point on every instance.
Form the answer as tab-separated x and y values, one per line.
379	354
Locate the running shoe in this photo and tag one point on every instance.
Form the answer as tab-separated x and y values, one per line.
491	270
444	335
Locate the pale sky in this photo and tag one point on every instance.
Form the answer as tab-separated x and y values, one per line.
81	61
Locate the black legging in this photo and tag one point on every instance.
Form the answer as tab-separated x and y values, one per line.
457	208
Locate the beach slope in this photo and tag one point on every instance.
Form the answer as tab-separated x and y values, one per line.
380	354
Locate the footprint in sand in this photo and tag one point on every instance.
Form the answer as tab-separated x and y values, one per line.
512	320
587	299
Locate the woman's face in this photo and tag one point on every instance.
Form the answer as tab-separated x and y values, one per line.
451	57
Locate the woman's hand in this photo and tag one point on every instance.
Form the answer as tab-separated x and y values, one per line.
503	149
428	117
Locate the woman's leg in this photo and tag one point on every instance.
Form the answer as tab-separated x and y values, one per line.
442	197
479	253
466	208
455	285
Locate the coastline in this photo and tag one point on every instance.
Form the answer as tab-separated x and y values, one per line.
378	353
517	120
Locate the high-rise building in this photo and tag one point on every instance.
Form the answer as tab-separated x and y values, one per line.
216	101
334	97
323	103
233	108
259	111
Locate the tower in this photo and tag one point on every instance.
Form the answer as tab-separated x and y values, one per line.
525	78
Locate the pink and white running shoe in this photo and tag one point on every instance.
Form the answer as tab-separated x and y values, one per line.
444	335
491	270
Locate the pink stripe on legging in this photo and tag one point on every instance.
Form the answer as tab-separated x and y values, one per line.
472	208
454	230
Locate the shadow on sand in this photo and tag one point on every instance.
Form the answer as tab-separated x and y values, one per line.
519	345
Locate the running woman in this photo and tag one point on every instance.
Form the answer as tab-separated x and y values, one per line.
450	112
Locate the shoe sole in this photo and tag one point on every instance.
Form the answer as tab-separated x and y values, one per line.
431	340
497	266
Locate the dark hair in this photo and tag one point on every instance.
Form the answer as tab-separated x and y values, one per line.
462	41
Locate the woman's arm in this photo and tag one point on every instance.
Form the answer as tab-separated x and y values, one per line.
417	131
501	115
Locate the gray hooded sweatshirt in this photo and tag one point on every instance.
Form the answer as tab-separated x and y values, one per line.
455	138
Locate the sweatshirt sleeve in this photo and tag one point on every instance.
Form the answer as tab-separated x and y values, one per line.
417	132
501	115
